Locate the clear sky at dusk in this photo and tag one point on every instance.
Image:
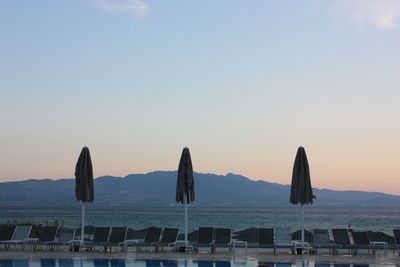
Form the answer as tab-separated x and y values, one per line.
241	83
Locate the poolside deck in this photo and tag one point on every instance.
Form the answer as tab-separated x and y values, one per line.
239	255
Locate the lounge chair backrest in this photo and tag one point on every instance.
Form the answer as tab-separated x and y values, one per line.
266	236
206	235
222	235
65	235
22	232
101	234
396	233
49	233
6	232
132	234
118	234
169	235
250	235
321	237
360	238
192	236
153	235
341	236
283	235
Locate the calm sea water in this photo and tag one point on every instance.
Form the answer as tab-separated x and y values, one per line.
360	218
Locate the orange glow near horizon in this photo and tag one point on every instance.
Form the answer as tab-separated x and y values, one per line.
367	171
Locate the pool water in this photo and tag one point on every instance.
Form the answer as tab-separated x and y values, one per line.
77	262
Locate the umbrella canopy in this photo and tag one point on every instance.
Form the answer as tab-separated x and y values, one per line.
84	184
84	177
185	185
301	190
185	181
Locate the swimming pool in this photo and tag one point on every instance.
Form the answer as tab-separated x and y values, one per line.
76	262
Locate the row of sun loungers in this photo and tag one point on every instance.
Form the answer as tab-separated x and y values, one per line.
156	238
19	235
281	238
208	237
108	237
341	241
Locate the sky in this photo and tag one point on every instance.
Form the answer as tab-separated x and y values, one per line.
241	83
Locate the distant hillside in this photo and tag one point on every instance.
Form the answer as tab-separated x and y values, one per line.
158	188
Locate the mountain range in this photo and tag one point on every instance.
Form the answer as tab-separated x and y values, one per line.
158	188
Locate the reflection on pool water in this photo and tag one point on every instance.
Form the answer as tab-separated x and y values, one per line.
158	263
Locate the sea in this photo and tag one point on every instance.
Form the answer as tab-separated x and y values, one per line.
379	219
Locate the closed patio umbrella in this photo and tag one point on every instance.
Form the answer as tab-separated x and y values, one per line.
301	190
185	185
84	184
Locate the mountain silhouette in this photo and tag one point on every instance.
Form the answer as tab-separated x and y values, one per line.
158	188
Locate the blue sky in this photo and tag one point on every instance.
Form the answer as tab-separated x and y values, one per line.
241	83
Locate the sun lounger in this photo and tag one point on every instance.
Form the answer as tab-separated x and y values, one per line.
204	239
132	238
382	240
396	233
168	239
341	238
117	237
20	235
361	241
322	240
6	232
245	238
101	235
153	235
48	234
266	238
65	237
283	239
251	237
222	239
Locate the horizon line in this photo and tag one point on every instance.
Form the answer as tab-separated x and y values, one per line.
204	173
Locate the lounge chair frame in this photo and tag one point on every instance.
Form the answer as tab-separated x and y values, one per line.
322	240
204	239
342	240
117	238
19	237
222	239
168	239
283	239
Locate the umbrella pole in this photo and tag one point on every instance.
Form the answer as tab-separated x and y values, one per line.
186	221
83	224
302	226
